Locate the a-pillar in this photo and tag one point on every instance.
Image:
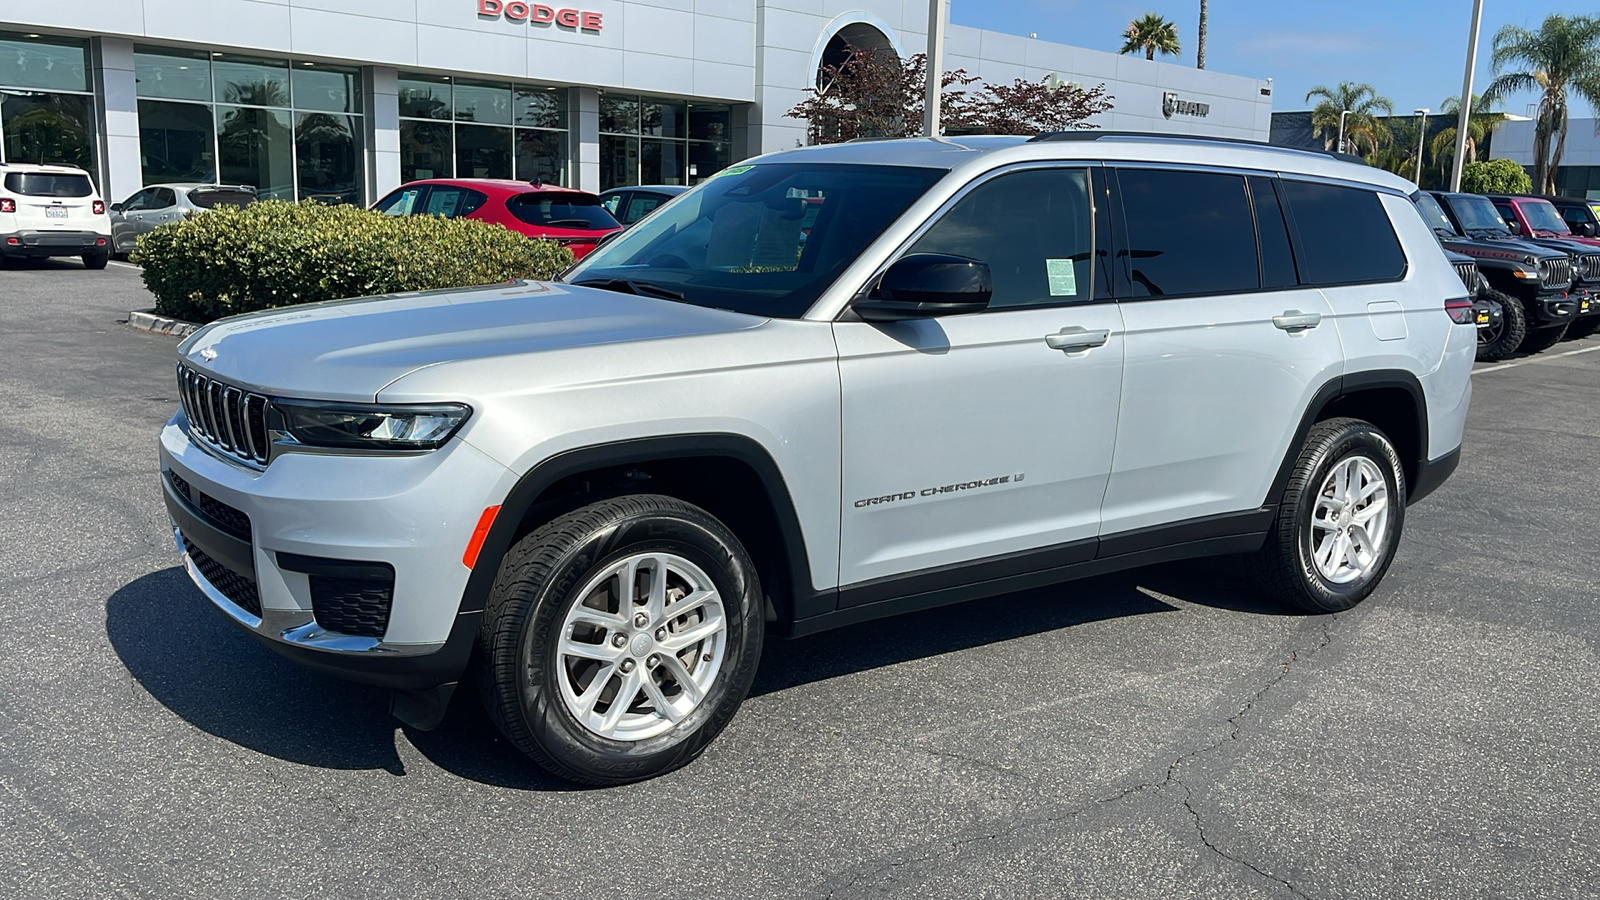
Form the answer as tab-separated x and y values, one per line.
116	100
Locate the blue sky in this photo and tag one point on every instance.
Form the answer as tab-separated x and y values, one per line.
1412	51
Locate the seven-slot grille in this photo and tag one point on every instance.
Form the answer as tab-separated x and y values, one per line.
1470	276
1588	267
228	418
1555	273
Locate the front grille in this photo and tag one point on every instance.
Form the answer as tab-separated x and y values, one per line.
228	518
228	418
1555	273
1588	267
352	606
236	587
1470	276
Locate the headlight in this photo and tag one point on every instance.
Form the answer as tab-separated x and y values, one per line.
386	427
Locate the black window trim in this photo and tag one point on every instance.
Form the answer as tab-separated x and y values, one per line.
1296	243
1095	236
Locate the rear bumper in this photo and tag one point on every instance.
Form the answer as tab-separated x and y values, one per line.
1432	474
53	243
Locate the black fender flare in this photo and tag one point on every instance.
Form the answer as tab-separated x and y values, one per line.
1341	386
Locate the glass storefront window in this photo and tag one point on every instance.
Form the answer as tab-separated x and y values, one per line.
541	156
710	122
661	162
619	161
46	64
249	82
619	114
424	97
539	107
172	74
326	88
43	127
664	119
488	103
426	150
256	147
327	151
707	158
177	142
483	151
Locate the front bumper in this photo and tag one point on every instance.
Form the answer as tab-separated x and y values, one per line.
53	243
252	539
1551	309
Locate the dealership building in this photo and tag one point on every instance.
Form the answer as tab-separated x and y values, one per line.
343	100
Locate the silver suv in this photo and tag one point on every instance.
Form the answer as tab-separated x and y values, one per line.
829	385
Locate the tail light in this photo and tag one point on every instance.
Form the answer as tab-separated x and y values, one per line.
8	205
99	207
1459	310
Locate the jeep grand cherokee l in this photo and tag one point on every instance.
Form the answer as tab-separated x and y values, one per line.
826	386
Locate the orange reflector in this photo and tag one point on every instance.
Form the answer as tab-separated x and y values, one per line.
470	558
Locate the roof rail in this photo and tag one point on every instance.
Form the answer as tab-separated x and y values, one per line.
1097	134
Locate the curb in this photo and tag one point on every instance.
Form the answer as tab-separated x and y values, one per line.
147	320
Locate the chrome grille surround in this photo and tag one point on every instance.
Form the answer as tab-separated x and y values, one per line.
1471	278
225	418
1555	273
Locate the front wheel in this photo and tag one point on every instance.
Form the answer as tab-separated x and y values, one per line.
1503	333
1582	328
1339	521
620	638
1543	339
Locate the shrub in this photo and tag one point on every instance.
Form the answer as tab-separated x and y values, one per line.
1495	176
234	260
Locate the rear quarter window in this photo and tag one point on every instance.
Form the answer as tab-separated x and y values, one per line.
34	184
1345	235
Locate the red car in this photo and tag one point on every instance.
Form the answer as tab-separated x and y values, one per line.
575	219
1536	217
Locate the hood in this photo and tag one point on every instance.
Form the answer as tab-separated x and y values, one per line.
350	349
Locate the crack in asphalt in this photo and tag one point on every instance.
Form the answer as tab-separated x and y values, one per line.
1169	779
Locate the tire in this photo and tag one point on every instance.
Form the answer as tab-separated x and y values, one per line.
1288	567
547	702
1505	339
95	260
1543	339
1583	327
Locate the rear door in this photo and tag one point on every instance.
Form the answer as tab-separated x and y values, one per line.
53	201
1224	349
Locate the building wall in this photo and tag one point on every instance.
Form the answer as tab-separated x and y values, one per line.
1514	141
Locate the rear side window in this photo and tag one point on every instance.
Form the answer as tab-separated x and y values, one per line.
1189	233
207	198
450	202
561	210
1345	235
33	184
1272	235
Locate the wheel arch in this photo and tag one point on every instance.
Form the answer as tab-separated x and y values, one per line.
1391	399
731	476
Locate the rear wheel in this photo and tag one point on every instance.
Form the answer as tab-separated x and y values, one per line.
1543	339
1506	329
95	260
1339	521
620	638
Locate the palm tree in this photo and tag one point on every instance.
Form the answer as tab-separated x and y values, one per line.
1563	54
1362	127
1400	154
1200	39
1481	120
1150	33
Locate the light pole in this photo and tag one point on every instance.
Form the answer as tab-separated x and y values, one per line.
938	12
1422	134
1466	99
1340	145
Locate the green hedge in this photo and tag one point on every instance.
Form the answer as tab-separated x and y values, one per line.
1495	176
269	254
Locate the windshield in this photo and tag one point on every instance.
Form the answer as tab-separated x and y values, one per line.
1432	212
1477	214
562	210
41	185
1542	215
764	239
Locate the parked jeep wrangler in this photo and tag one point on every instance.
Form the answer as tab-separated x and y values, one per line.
1539	278
826	386
1540	220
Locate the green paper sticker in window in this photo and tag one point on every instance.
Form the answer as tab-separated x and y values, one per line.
1063	277
736	170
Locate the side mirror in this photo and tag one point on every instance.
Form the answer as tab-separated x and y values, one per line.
924	285
1516	227
1586	229
116	207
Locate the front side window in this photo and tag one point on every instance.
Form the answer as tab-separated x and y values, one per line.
402	202
1034	231
763	239
1507	214
1189	233
140	200
1345	234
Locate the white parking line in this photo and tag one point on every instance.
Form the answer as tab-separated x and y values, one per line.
114	262
1523	362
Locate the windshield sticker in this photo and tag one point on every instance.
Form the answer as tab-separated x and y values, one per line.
1063	277
736	170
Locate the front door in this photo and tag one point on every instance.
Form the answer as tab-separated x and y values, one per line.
971	437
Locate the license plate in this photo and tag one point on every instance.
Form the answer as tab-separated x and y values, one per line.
1583	307
1483	318
55	212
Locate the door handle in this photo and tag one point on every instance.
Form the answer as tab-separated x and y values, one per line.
1295	320
1076	337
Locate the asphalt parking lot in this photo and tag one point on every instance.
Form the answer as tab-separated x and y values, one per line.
1159	733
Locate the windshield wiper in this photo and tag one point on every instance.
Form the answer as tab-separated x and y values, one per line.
626	286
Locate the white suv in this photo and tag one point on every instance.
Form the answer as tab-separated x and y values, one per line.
829	385
52	211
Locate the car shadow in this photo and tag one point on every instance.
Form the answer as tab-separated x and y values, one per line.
220	680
